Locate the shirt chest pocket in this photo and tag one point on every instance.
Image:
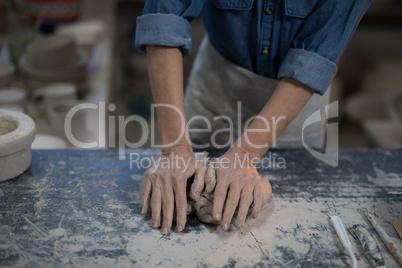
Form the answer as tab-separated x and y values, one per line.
233	4
300	8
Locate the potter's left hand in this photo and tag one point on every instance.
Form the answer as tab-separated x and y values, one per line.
237	185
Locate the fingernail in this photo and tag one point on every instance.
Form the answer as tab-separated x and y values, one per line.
225	226
255	214
197	194
165	230
240	223
211	186
180	227
218	216
155	223
208	188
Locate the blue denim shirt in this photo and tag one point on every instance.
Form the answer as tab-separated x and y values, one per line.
300	39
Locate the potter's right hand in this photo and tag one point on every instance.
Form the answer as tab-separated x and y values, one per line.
166	186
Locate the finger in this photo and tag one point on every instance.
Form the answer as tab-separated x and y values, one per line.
146	195
219	199
245	201
210	178
181	205
230	206
156	203
257	202
198	184
168	208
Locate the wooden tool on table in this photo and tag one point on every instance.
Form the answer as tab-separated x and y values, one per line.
383	235
343	236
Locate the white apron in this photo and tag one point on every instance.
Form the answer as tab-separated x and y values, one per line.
215	87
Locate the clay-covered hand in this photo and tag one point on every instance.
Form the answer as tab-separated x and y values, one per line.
165	187
237	183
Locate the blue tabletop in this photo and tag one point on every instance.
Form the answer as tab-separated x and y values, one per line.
82	208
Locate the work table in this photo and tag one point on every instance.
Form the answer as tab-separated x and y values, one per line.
80	208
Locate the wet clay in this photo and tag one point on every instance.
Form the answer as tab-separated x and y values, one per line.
202	206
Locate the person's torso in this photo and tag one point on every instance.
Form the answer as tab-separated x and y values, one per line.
256	34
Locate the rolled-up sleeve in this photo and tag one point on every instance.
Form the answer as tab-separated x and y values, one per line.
167	23
318	46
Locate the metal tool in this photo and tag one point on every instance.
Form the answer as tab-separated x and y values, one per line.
343	236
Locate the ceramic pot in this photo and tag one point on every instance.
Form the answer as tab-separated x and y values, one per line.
53	51
6	74
17	132
54	11
43	141
57	113
53	93
13	96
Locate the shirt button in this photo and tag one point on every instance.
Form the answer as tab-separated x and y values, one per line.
265	50
268	11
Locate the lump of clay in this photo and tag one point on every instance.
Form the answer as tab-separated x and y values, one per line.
202	207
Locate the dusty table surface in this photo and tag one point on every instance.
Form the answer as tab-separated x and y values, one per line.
82	208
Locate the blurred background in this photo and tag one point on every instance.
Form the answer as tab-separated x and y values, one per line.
55	54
